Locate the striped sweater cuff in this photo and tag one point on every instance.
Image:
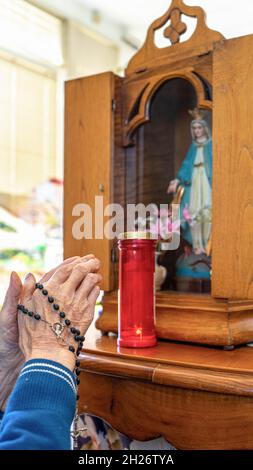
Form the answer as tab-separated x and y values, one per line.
44	384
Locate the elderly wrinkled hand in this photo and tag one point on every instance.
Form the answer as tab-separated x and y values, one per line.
74	289
17	346
11	357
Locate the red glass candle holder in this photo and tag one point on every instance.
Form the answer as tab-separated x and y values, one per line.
136	302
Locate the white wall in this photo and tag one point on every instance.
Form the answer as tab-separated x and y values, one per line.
87	53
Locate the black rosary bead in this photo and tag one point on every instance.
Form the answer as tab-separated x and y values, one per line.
77	381
37	316
62	315
56	307
81	338
25	311
78	363
78	371
50	299
73	330
78	352
72	349
76	338
19	307
45	292
39	286
77	397
30	314
78	332
67	322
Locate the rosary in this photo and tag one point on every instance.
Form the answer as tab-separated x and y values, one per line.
58	328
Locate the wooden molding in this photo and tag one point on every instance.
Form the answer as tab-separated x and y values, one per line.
143	93
192	318
194	378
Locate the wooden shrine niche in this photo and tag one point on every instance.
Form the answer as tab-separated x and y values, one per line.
129	137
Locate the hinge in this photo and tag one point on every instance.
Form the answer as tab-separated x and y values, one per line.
114	255
204	54
113	105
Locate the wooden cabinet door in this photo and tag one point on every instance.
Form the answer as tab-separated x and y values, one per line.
232	272
89	148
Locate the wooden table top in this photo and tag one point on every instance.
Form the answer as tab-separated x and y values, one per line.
168	352
169	363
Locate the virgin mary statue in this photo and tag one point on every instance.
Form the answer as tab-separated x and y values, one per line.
194	179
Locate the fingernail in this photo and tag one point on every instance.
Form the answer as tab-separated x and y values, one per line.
13	276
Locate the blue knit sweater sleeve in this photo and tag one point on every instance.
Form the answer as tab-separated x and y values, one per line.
40	409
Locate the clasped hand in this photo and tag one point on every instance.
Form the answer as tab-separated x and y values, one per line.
74	285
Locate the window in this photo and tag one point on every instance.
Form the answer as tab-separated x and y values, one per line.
31	59
28	31
27	128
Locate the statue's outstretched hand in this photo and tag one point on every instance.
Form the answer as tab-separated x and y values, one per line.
172	186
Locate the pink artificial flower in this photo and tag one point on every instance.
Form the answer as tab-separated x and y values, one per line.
186	214
174	226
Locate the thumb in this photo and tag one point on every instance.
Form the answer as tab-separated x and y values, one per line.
28	287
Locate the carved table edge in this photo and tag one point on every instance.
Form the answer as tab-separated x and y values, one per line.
191	377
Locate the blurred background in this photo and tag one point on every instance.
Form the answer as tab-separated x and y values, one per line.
42	44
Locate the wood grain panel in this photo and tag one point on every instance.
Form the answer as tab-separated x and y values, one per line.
89	151
233	169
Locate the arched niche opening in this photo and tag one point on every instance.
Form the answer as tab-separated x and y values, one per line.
160	147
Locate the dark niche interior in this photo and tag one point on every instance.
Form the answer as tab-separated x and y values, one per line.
160	147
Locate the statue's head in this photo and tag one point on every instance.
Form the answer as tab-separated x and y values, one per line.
199	126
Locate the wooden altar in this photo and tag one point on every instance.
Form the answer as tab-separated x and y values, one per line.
124	137
195	397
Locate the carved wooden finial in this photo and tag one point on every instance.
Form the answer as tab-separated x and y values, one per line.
201	42
176	28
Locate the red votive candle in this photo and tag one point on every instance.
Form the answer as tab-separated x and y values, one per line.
136	296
